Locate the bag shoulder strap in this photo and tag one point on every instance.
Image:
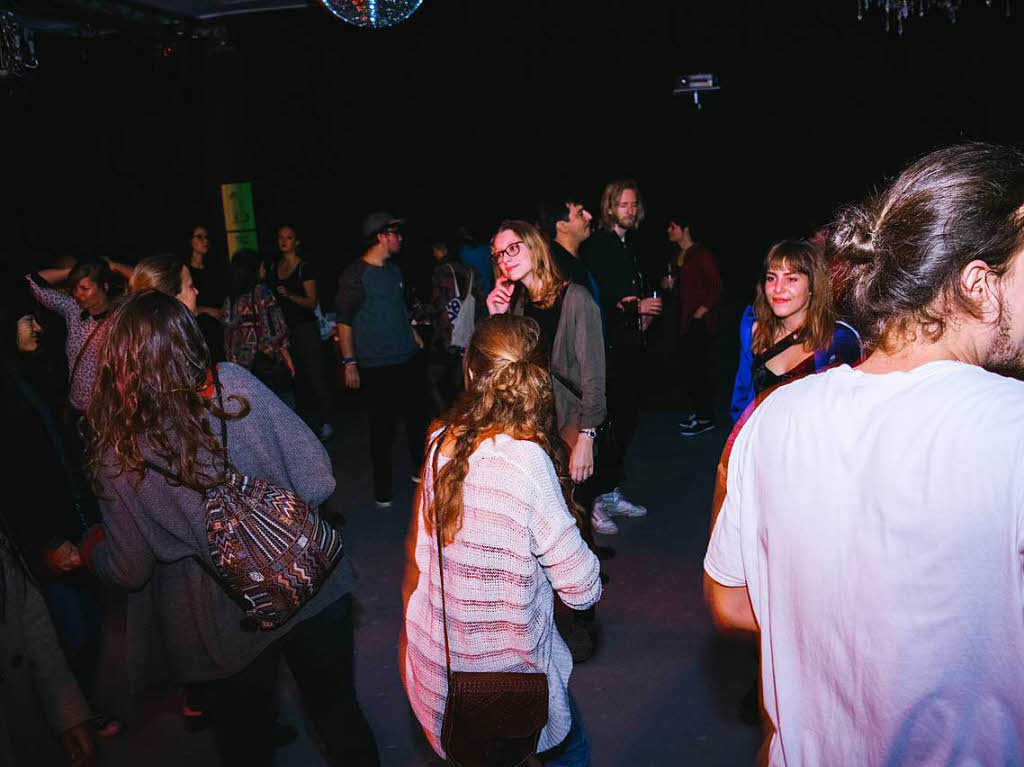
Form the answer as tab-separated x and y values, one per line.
223	435
573	389
440	558
81	352
455	282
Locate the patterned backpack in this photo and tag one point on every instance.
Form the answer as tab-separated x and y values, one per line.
271	550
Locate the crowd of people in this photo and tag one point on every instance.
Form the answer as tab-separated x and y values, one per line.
865	523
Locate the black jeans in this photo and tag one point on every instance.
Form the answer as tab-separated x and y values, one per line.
243	707
625	375
312	396
698	353
390	391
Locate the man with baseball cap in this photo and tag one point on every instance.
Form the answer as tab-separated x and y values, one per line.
378	347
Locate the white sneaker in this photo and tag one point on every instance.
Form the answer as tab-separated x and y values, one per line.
614	504
600	520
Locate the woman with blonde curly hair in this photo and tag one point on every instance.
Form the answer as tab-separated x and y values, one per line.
494	483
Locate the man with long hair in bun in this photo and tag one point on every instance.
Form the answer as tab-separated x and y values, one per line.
496	483
872	530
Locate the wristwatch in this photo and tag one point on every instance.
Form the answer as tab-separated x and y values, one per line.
591	432
348	361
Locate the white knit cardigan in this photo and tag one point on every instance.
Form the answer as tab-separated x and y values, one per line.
518	542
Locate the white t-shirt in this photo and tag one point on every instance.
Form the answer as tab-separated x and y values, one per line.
877	522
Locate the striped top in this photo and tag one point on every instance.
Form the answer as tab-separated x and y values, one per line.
517	544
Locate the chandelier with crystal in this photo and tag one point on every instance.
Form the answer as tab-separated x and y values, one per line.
898	11
17	47
372	13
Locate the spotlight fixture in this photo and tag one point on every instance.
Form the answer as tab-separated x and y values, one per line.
372	13
696	84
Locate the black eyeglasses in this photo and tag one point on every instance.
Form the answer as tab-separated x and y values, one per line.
512	251
200	237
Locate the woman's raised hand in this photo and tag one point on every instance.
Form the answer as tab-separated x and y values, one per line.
499	299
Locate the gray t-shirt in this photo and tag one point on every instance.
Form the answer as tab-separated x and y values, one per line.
371	301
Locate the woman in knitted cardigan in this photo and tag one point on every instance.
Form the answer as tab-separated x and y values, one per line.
495	483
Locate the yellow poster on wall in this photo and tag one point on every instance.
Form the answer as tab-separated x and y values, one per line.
241	241
239	217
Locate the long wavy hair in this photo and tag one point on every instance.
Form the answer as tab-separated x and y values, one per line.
508	391
152	370
806	258
551	281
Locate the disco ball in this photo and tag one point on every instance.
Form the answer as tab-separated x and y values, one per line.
372	13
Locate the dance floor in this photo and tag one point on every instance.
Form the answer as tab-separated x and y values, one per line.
662	689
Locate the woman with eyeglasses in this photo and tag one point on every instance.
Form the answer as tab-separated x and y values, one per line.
209	280
529	283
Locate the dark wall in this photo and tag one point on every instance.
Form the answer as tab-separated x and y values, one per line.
471	109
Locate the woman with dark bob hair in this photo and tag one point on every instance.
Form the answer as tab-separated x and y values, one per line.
158	402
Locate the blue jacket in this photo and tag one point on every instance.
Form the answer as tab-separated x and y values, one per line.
844	348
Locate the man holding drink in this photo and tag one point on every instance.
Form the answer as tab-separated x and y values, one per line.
628	308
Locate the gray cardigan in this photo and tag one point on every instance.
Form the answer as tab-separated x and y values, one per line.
154	531
39	697
577	355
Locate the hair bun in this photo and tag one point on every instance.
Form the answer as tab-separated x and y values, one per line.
855	238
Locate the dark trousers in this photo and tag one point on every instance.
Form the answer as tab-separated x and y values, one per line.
77	615
243	707
625	375
698	355
444	374
392	391
312	396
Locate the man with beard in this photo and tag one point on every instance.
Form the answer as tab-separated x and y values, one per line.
614	260
873	524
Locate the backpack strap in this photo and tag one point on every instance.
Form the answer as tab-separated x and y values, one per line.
223	437
223	423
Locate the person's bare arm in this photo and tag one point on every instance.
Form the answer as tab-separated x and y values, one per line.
122	270
730	607
347	347
306	301
54	276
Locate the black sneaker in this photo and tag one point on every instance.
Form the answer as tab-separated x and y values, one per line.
697	427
